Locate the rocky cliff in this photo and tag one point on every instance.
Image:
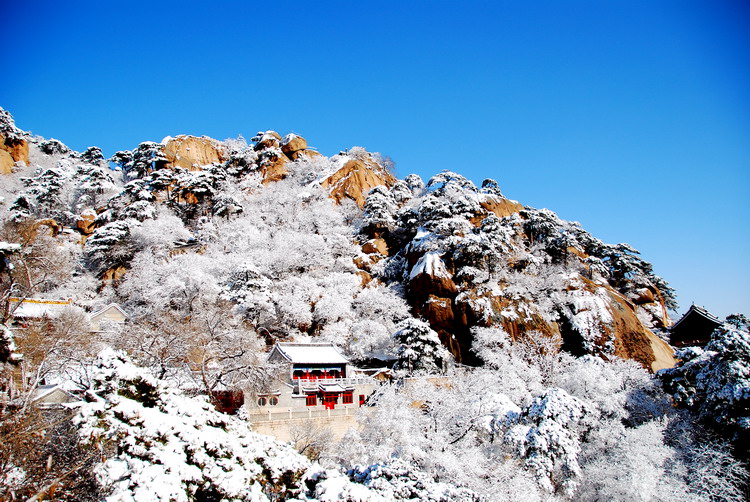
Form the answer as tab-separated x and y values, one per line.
470	257
192	153
14	146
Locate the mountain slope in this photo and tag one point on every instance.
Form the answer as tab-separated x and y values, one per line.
250	229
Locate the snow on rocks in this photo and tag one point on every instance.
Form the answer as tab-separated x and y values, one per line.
430	264
293	143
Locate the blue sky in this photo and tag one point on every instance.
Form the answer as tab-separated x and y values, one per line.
630	117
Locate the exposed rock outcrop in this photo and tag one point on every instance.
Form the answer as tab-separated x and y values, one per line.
266	140
355	178
501	206
632	339
192	152
377	245
293	143
6	162
431	277
271	160
86	222
113	275
524	270
14	145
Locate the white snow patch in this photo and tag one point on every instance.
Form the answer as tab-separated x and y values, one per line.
430	264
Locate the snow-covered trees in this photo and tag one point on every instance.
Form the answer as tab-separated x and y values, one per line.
141	161
548	434
380	209
715	382
162	445
419	349
397	480
63	191
221	260
156	443
109	247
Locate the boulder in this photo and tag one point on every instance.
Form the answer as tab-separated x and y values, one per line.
355	179
192	153
268	139
643	295
375	246
499	206
293	143
365	277
85	222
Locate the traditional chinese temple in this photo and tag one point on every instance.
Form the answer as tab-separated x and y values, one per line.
694	328
315	375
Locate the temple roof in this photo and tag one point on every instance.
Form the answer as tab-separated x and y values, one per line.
309	353
105	309
36	308
695	310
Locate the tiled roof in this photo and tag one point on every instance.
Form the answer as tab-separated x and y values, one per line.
310	353
701	311
35	308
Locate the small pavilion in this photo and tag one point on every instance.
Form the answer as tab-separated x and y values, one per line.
694	328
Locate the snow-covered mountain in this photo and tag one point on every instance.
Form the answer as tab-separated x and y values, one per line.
544	337
461	256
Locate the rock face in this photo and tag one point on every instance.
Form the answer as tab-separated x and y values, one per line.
376	245
6	162
292	144
500	206
632	340
471	258
355	178
271	159
429	276
14	146
274	168
86	222
192	153
114	275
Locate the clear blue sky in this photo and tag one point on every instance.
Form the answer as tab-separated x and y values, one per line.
630	117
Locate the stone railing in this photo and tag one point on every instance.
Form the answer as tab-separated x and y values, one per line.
300	414
312	384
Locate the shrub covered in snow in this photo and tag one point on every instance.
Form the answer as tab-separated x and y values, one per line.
159	444
419	349
547	435
398	480
715	382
